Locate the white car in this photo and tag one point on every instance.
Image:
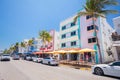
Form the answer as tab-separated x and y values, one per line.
37	59
112	69
16	57
5	57
50	61
28	58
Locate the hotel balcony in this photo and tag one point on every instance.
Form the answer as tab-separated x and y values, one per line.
115	39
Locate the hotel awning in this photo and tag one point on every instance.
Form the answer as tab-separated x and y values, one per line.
71	51
37	52
86	50
57	52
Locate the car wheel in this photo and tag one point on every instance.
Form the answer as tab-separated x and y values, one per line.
98	71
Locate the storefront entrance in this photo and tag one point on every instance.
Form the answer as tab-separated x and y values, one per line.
63	56
87	56
74	56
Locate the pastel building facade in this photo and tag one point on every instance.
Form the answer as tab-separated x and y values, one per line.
116	22
116	39
24	49
81	35
37	43
53	45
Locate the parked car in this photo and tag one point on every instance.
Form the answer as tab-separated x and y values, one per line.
5	57
28	58
112	69
50	61
16	57
37	59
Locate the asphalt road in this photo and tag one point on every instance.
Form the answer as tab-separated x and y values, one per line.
26	70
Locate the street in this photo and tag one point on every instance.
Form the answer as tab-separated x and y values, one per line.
26	70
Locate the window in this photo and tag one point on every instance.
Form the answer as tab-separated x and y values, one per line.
91	28
91	40
73	43
72	24
73	33
63	36
64	27
97	28
88	17
47	58
116	64
63	45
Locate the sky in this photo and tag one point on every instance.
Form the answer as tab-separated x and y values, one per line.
23	19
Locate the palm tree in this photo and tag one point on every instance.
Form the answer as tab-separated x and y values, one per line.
48	37
30	42
16	47
45	37
22	44
96	8
12	49
5	51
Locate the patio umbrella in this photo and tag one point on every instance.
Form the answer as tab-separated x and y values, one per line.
51	52
72	51
37	53
60	51
86	50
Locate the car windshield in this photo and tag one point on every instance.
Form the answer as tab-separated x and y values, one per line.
16	56
115	63
6	55
110	63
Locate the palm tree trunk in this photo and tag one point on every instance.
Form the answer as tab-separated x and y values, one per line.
97	41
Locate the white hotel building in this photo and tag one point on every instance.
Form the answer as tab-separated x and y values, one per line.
116	39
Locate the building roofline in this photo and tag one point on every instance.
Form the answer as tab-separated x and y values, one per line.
72	15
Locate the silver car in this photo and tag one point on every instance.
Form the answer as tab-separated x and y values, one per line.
50	61
37	59
16	57
28	58
5	57
112	69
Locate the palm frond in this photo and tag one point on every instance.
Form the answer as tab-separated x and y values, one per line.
45	36
105	12
99	15
103	3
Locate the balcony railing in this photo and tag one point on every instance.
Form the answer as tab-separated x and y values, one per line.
115	37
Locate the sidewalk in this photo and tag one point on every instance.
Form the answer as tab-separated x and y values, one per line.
76	67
